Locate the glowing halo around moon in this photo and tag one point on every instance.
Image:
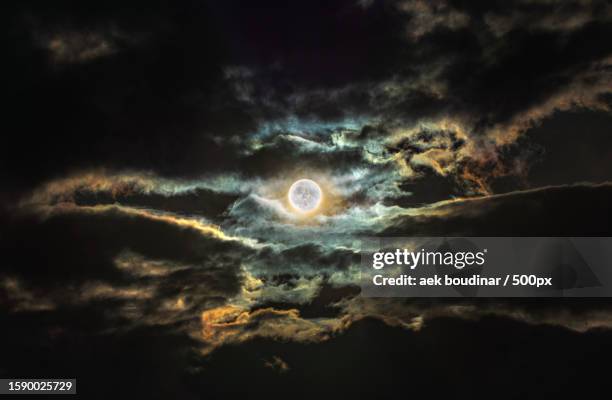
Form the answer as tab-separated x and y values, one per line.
305	195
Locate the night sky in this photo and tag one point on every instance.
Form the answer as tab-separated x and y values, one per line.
147	246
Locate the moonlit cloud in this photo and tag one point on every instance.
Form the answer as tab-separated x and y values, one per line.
148	158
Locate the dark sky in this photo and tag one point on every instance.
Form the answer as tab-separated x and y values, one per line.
148	148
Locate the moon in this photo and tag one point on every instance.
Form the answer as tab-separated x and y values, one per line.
305	195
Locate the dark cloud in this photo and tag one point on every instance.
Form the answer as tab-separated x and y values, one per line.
153	87
148	361
307	259
143	106
427	189
492	350
324	304
200	201
133	127
580	210
83	245
576	147
288	154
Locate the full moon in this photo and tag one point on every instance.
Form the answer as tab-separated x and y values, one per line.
305	195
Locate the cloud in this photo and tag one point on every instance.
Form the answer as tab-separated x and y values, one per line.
492	70
145	174
276	363
138	262
233	325
427	16
78	47
414	314
575	210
